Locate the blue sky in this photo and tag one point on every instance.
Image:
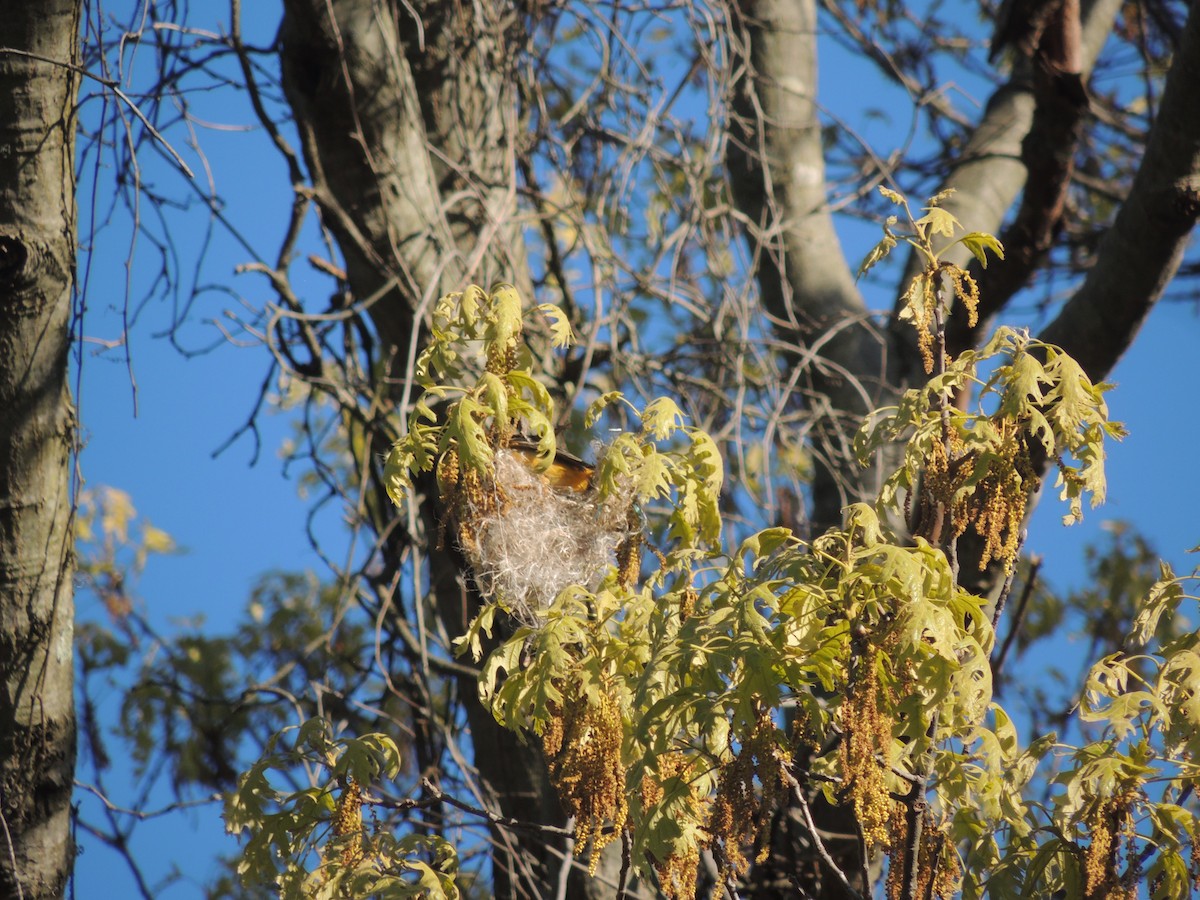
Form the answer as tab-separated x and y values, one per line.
237	521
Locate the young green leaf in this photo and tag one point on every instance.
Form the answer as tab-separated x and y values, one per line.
505	318
597	407
979	243
560	328
661	418
880	250
938	221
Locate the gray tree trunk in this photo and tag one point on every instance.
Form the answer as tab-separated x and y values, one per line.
777	173
407	123
37	269
408	131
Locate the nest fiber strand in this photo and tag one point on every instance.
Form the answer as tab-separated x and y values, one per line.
533	540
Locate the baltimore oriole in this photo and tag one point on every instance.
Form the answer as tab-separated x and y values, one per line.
565	472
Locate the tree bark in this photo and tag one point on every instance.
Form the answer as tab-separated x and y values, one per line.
408	121
1048	155
991	173
37	268
1140	253
777	173
408	131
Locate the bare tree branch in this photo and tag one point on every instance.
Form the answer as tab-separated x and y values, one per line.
1142	250
777	172
1048	154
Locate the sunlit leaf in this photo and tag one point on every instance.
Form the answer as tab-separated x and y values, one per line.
979	243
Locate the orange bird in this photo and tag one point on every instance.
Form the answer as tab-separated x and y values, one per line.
565	472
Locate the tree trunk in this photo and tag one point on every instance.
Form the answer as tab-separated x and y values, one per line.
37	268
777	175
408	123
409	133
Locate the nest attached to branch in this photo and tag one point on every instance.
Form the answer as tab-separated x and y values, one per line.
527	539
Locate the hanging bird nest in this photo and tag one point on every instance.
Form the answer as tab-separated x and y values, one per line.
528	534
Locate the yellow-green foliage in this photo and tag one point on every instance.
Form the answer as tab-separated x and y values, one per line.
525	539
112	553
1036	400
660	700
312	842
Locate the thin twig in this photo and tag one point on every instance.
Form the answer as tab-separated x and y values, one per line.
1135	866
1035	565
822	851
436	794
144	814
564	872
864	861
116	89
626	860
914	820
12	856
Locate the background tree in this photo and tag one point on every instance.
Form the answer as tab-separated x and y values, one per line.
664	176
37	276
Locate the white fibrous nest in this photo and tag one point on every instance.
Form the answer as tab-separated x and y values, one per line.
529	540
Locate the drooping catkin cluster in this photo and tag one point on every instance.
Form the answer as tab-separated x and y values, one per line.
922	296
1195	867
348	824
939	873
676	873
994	504
919	300
865	751
582	741
741	815
997	505
946	472
526	539
1108	823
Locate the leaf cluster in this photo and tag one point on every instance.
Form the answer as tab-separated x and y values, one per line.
477	334
1122	813
310	844
686	706
1035	404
